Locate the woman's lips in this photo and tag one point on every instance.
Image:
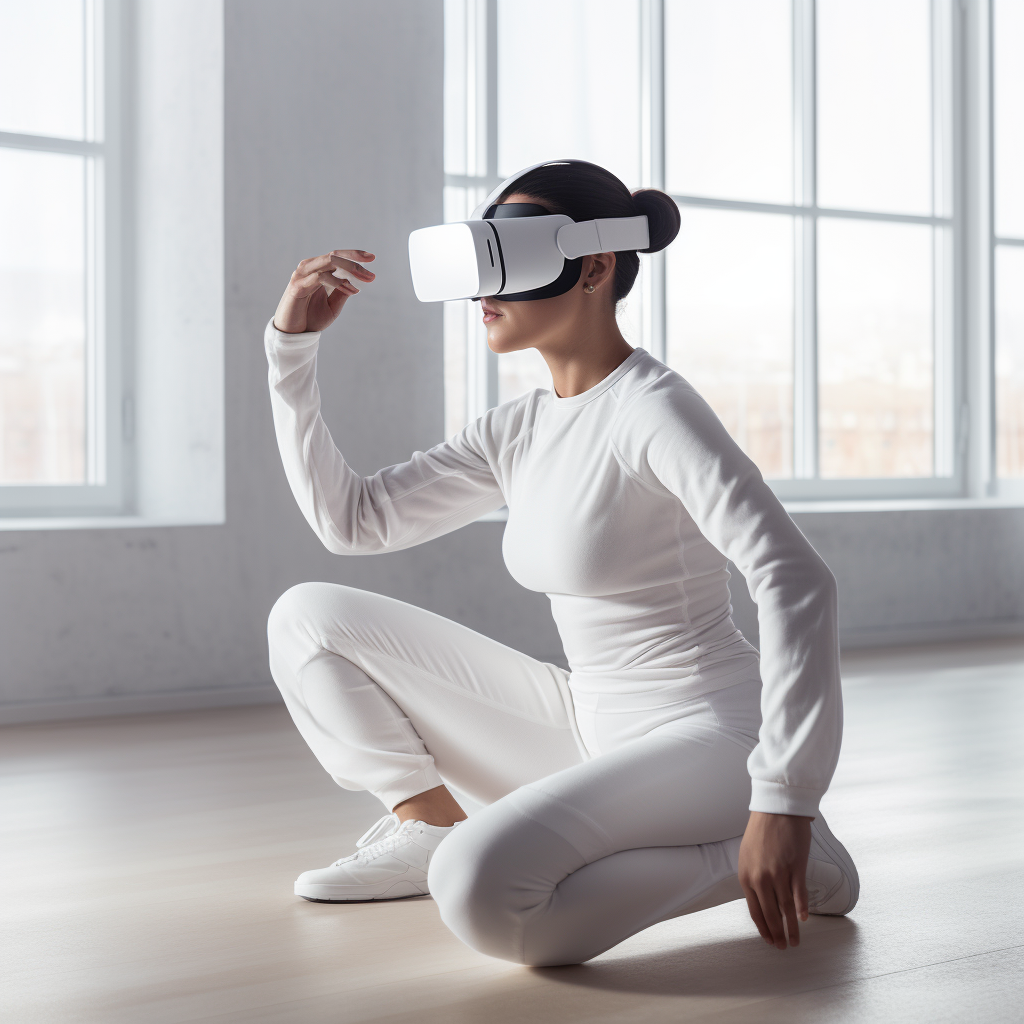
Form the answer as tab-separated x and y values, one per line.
490	314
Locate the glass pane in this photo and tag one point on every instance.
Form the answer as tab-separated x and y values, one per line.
1008	33
730	325
874	105
875	349
569	84
462	82
42	318
728	99
456	372
41	67
1009	361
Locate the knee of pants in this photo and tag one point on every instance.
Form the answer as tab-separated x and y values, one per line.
491	879
301	616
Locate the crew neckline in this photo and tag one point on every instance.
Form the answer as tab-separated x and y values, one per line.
572	401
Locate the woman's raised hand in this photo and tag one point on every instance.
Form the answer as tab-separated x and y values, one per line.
314	296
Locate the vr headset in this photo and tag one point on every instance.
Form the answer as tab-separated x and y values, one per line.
514	251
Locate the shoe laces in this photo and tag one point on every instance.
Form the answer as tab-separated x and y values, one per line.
382	837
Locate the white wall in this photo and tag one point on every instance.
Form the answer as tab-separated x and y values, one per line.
176	225
918	575
332	114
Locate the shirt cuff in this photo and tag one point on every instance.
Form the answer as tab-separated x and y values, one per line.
274	336
776	798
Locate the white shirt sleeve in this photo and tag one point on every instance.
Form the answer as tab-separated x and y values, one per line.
680	440
435	492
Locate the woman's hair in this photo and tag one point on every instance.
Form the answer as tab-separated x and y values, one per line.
585	191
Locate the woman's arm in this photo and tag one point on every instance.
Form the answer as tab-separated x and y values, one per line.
684	445
431	494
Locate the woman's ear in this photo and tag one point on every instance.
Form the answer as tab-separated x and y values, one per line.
599	269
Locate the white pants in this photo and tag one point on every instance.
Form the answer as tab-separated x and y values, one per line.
596	825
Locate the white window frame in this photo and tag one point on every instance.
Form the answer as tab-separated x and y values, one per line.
108	410
1000	487
964	465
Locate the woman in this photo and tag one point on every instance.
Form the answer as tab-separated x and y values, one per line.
641	785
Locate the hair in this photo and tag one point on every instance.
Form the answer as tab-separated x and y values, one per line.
585	191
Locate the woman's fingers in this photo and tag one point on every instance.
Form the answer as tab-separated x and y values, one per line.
784	894
756	916
342	263
773	917
306	274
336	299
800	894
327	278
312	265
354	254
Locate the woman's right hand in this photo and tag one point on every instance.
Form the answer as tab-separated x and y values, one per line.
307	305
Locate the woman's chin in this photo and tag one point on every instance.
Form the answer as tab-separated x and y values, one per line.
498	340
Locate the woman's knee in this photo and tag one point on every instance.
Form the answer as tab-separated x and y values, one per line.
472	880
491	879
314	608
300	620
291	607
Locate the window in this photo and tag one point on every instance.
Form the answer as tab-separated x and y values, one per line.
817	289
60	403
1008	236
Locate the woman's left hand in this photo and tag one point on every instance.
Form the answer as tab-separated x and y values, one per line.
773	873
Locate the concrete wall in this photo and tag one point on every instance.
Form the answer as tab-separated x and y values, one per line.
333	138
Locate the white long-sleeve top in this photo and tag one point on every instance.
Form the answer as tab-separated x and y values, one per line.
624	504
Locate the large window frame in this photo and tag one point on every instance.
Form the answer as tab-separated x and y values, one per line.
962	225
109	416
996	486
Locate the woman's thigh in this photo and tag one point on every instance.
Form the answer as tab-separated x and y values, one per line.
573	863
491	717
683	783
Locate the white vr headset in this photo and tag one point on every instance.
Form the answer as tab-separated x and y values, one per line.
513	251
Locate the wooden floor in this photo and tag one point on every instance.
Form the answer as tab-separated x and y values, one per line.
147	865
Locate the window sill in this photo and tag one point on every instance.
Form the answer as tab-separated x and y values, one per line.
861	505
23	525
901	504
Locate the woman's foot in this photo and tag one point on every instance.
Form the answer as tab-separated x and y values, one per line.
833	884
390	863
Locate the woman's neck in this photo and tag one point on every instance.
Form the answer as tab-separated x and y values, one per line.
587	360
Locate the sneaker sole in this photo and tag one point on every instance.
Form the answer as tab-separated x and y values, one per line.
325	893
366	899
841	857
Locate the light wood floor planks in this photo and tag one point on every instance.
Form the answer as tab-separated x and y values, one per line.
146	868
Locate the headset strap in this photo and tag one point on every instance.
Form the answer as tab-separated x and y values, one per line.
610	234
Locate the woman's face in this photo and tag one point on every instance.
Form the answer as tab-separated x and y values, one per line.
517	325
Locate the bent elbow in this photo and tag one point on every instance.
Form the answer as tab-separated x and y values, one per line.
352	544
828	586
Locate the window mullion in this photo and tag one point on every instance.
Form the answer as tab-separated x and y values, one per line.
977	428
652	36
805	325
947	291
95	398
492	378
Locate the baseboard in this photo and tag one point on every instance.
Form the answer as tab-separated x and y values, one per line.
931	632
133	704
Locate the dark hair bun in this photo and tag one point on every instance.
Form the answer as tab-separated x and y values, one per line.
662	217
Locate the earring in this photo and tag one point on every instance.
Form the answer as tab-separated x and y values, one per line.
588	287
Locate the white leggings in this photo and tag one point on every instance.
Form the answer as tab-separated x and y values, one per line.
596	825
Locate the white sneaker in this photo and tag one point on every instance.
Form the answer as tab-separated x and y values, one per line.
390	863
833	884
